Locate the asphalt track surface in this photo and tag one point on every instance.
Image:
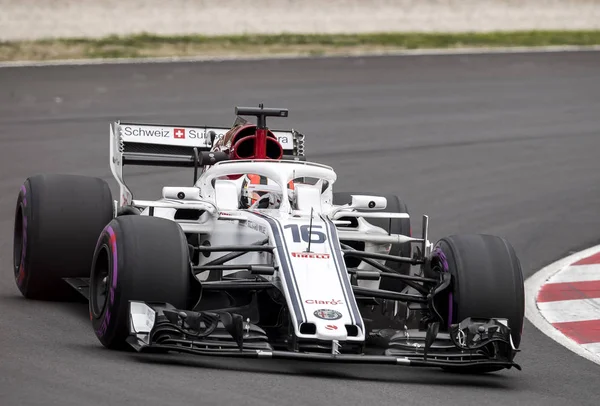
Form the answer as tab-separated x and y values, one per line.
502	144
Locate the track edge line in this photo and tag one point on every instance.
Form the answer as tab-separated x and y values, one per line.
258	57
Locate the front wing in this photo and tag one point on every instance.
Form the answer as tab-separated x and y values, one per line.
160	327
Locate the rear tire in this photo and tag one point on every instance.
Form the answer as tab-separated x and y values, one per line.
487	282
58	219
139	258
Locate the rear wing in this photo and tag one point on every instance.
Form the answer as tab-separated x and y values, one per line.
173	146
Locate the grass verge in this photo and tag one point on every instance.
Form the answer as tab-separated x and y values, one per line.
148	45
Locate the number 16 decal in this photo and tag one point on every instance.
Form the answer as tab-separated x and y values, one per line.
304	233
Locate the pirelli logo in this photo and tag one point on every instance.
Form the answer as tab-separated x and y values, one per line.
310	255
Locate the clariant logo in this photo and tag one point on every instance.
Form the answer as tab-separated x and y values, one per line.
332	302
309	255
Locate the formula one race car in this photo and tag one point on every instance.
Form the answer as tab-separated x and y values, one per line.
260	258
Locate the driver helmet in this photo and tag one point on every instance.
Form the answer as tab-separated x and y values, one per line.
267	198
238	142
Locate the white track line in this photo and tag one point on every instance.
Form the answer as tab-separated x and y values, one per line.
593	347
532	287
349	54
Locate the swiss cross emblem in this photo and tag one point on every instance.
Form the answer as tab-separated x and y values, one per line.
179	133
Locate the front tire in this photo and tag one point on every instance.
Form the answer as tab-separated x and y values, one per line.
139	258
487	282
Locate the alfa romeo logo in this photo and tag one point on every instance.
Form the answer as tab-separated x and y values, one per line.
327	314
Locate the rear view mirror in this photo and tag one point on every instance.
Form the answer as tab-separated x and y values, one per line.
364	202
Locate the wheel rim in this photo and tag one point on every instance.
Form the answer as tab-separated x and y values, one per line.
99	281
